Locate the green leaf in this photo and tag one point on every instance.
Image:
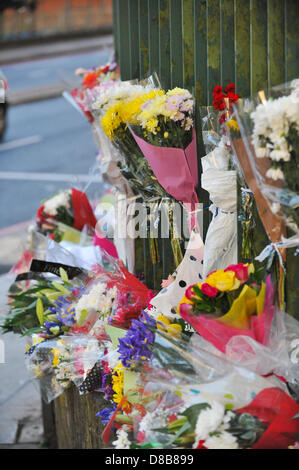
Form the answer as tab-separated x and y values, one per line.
40	311
181	431
296	416
63	274
193	411
61	288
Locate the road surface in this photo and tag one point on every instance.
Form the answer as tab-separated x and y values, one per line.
44	139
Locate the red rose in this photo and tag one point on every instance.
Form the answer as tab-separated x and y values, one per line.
189	294
222	118
230	88
240	270
209	290
233	97
218	90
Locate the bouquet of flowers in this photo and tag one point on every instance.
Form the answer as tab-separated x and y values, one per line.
94	81
64	214
230	302
165	133
118	108
180	420
220	181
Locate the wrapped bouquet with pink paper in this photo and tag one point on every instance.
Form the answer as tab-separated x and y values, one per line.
231	302
165	133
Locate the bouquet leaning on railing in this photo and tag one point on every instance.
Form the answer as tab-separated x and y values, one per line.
117	109
64	215
220	180
268	153
164	131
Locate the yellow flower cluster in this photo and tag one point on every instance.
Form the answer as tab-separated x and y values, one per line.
163	324
227	280
148	118
125	111
118	386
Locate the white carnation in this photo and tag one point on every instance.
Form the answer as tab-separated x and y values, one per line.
122	441
61	199
275	174
98	300
224	441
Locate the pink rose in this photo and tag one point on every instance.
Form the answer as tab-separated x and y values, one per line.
189	294
209	290
240	270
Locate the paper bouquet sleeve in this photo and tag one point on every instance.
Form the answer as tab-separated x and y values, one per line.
219	331
83	213
176	169
277	409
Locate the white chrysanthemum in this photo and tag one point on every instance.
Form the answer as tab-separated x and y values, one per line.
262	152
275	174
208	421
122	441
61	199
224	441
275	207
96	300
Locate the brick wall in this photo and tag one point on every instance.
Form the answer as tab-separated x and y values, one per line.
56	16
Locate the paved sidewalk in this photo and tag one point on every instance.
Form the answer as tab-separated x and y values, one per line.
20	402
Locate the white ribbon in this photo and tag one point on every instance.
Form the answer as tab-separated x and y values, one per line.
284	243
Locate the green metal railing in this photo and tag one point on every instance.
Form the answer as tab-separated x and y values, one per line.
201	43
198	44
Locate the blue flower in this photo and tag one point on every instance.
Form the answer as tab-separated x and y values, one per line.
65	314
106	414
136	345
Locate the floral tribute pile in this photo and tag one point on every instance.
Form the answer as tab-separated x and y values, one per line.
218	370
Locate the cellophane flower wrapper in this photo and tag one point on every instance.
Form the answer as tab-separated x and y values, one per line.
220	181
277	410
220	330
113	296
269	126
69	208
166	393
58	362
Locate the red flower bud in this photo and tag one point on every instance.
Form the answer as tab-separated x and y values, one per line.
209	290
189	294
240	270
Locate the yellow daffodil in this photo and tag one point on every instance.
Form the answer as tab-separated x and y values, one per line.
164	324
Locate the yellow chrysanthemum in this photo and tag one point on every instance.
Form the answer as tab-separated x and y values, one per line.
125	112
56	360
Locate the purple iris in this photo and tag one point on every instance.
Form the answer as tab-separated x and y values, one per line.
136	345
106	385
65	314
